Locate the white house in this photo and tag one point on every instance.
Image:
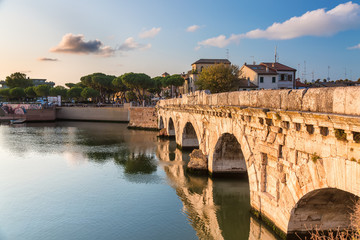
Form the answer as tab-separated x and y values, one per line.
269	75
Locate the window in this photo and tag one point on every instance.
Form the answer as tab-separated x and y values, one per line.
273	79
261	79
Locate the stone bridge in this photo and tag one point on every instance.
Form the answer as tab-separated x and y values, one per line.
299	148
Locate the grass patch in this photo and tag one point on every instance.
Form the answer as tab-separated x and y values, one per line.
315	157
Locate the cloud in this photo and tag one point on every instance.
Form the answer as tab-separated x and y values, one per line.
131	44
192	28
75	44
150	33
355	47
220	41
313	23
45	59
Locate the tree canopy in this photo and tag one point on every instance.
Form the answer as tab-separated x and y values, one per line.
89	93
58	90
173	80
42	90
101	82
218	78
137	82
29	91
74	93
17	93
18	80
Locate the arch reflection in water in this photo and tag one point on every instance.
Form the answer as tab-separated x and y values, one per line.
216	208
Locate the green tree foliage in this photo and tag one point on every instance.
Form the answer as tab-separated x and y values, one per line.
18	80
30	93
218	78
138	82
58	90
157	86
89	93
100	82
70	85
5	93
120	86
42	90
130	96
74	93
173	80
17	93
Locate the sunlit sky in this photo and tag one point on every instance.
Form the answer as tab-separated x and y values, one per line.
64	40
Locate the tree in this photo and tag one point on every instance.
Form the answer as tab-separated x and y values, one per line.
89	93
218	78
58	90
17	93
120	86
70	85
137	82
74	93
18	80
42	90
358	80
130	96
5	93
30	93
157	86
100	82
173	80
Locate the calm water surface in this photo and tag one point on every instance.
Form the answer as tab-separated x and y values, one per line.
75	180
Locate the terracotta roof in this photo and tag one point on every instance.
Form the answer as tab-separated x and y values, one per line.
300	84
261	69
244	83
278	66
212	61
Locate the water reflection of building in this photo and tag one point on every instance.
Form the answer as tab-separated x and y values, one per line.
216	209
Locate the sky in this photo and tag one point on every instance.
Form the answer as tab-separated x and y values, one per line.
65	40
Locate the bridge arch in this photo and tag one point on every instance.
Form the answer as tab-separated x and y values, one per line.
161	123
171	128
189	137
323	209
228	156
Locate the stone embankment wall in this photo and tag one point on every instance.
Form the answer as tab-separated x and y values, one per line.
107	114
40	115
143	117
339	100
31	115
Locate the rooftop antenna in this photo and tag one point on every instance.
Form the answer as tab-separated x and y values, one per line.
275	53
227	54
345	72
298	69
312	73
253	61
304	73
328	74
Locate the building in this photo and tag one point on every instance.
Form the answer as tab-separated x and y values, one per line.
269	75
196	69
38	82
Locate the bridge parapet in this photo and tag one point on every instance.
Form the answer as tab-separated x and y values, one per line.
337	100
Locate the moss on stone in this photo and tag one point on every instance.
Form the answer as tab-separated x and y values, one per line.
269	223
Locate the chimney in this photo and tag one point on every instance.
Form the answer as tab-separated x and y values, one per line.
254	63
245	63
248	82
273	65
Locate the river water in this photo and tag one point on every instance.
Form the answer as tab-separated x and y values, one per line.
81	180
